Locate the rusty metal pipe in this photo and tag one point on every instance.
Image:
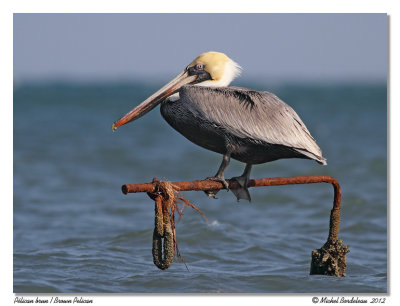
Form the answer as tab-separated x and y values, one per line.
204	185
334	264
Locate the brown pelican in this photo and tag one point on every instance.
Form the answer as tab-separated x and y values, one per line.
251	126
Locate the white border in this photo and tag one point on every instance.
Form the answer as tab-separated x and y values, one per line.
174	6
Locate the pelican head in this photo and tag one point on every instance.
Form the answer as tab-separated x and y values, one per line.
208	69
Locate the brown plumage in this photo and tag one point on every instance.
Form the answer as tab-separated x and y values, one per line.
254	126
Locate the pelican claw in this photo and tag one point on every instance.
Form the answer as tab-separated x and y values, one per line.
220	180
211	193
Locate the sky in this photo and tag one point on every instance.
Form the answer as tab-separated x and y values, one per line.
158	46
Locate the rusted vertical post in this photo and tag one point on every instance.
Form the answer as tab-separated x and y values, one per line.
331	258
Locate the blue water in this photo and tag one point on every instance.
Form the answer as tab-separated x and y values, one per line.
74	231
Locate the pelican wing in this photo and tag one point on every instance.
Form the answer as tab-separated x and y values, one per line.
246	113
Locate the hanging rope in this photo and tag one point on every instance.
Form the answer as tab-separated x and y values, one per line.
165	245
163	241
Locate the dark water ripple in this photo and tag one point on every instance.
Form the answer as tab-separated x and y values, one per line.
75	232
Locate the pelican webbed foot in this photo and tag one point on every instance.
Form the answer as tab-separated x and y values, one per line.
243	192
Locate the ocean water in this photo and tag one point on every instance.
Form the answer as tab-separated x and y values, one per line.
74	231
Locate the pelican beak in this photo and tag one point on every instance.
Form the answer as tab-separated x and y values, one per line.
147	105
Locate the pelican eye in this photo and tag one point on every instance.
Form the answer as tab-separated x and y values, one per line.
199	67
199	71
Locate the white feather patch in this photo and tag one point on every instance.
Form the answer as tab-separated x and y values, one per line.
231	71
